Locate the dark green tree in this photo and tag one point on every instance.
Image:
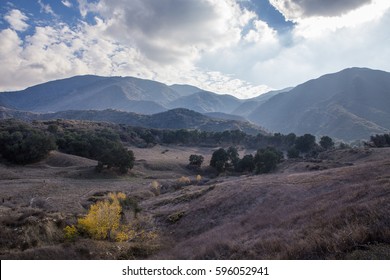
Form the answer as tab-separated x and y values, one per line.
233	156
196	160
246	164
326	142
219	160
267	159
305	143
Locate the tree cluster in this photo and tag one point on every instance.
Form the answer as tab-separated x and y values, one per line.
104	146
22	144
380	140
196	160
264	161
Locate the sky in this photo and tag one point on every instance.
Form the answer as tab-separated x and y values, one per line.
240	47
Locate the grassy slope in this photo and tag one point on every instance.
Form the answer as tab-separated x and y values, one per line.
339	210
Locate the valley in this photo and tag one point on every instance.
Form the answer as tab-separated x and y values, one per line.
335	207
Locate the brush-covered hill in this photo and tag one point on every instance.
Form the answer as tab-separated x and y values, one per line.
173	119
351	104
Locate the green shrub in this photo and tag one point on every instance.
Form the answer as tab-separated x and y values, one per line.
267	159
196	160
246	164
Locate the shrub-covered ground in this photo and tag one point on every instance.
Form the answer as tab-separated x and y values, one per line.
333	207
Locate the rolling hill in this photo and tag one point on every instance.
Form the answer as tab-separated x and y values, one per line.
205	102
173	119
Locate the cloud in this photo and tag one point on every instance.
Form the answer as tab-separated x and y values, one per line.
66	3
46	8
173	30
361	45
295	9
17	20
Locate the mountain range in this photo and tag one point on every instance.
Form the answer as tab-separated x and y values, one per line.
351	104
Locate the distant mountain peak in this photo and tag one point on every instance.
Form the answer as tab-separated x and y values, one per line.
350	104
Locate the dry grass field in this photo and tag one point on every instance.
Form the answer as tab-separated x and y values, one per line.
336	207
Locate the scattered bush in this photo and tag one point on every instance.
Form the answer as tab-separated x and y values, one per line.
132	204
155	188
183	180
70	233
175	217
196	160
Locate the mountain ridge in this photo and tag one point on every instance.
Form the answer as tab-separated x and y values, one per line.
349	105
179	118
355	100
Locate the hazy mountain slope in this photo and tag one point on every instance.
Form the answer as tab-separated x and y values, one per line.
185	90
350	104
6	113
223	116
205	101
249	105
92	92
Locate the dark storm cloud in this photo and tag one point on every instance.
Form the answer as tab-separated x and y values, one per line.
307	8
329	7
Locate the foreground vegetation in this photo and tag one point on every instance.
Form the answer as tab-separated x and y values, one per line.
311	201
28	143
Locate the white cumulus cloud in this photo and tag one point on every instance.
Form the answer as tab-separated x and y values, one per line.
17	20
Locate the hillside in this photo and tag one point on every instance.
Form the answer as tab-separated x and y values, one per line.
205	102
172	119
337	211
351	104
